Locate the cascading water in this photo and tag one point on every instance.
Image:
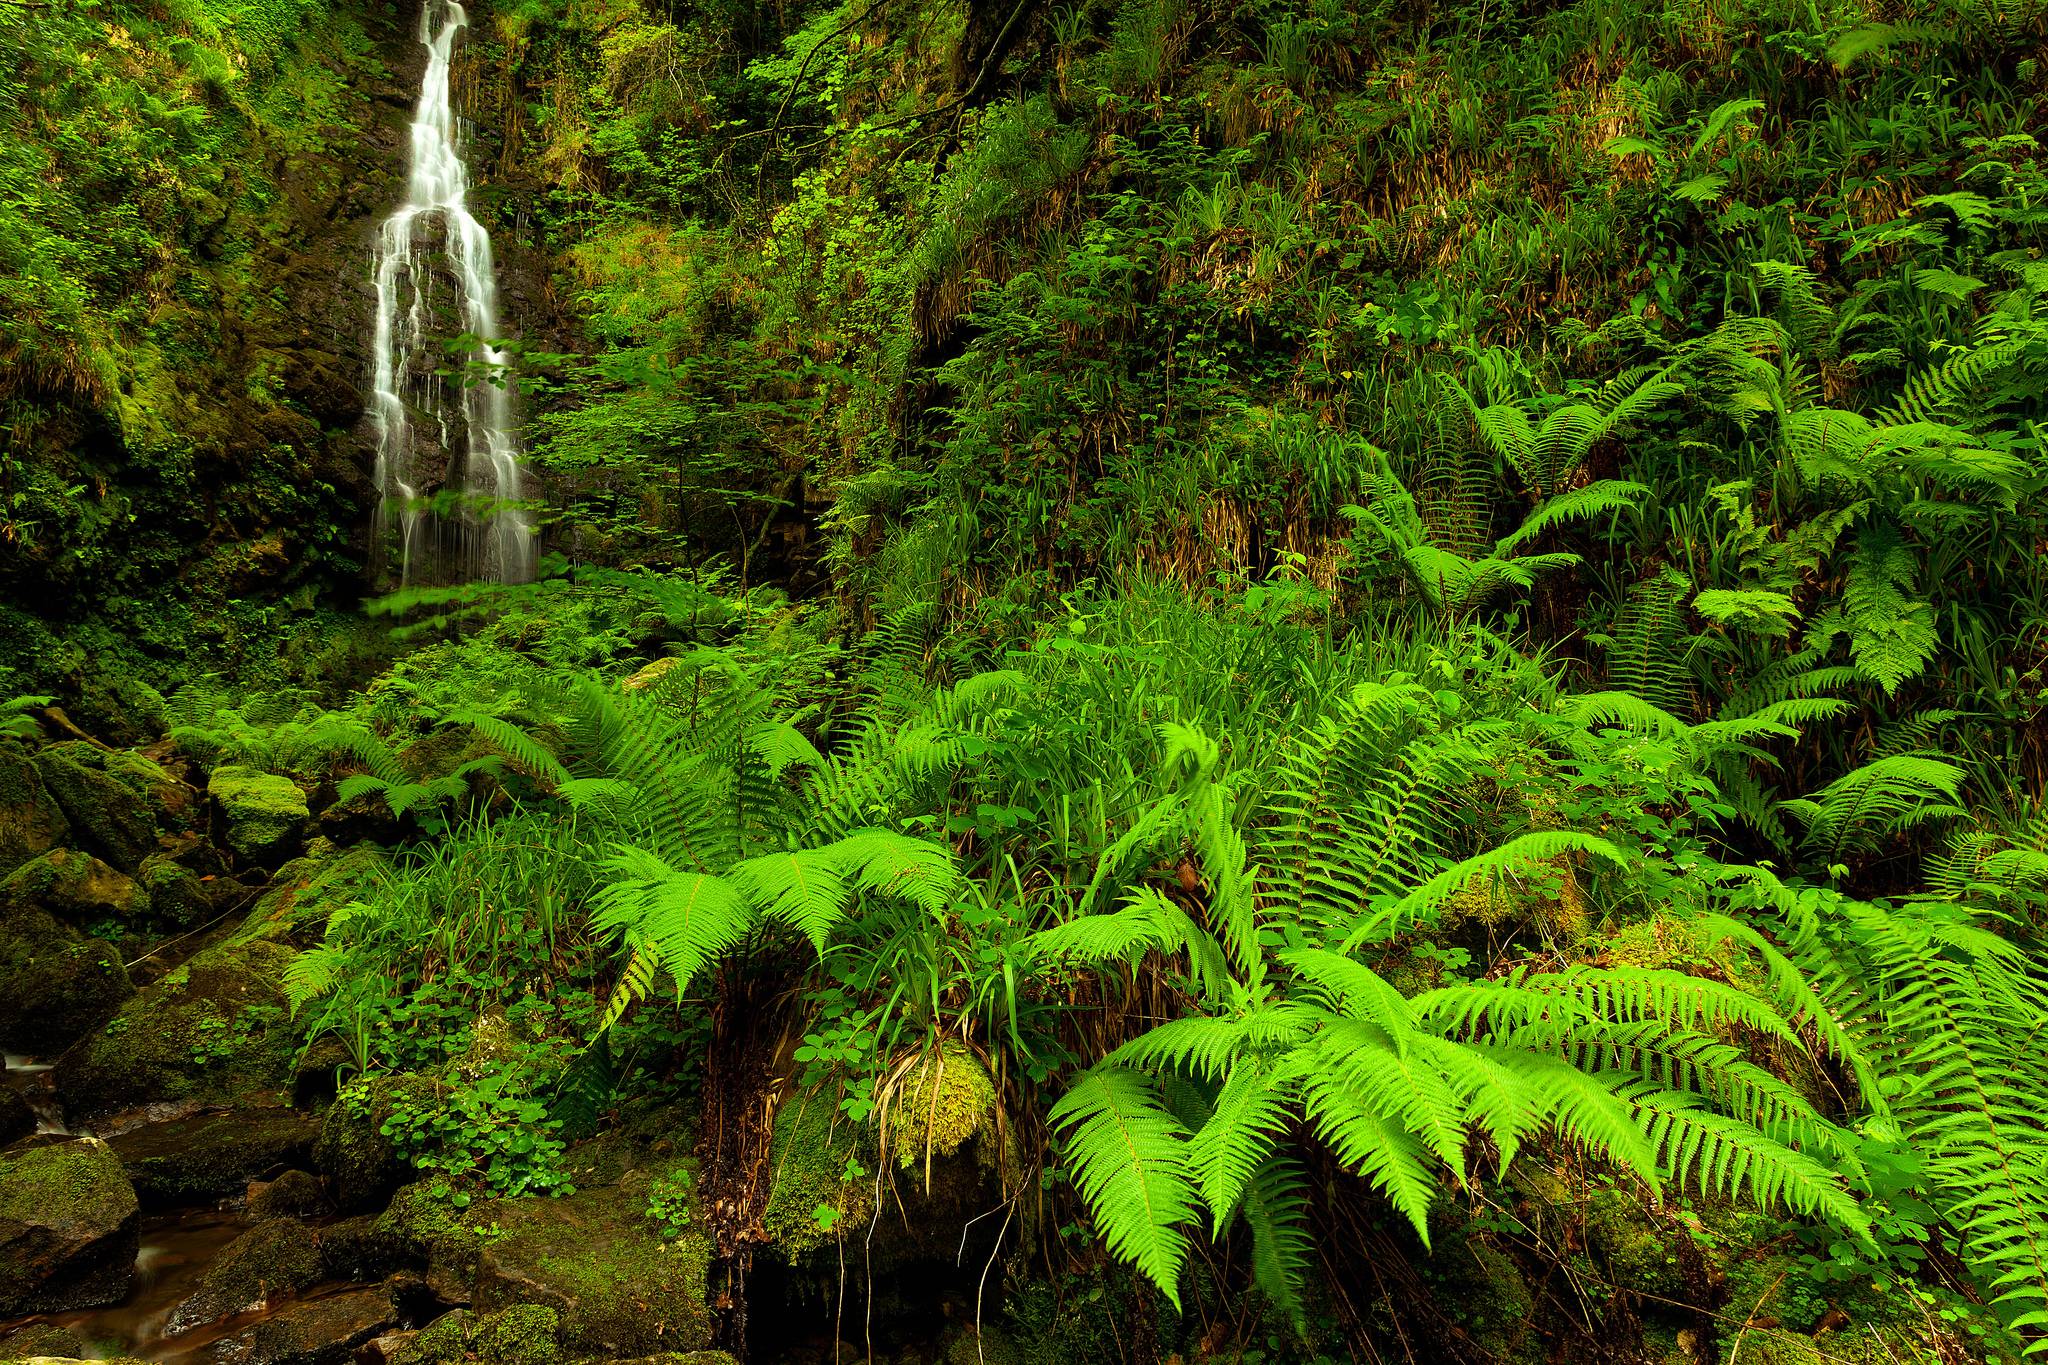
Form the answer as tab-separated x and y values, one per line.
490	536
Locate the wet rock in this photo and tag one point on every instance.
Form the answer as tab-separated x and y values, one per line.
17	1119
31	821
74	886
270	1261
212	1032
617	1288
69	1228
295	1194
363	1166
326	1330
55	983
42	1340
359	1249
105	814
264	812
211	1155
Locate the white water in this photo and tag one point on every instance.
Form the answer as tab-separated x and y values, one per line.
493	538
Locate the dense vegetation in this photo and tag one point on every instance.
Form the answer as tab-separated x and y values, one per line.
1282	681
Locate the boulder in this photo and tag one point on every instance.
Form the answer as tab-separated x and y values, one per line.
526	1334
616	1286
74	886
295	1194
105	814
264	812
214	1031
362	1164
31	821
69	1228
272	1260
210	1155
358	1249
55	983
306	890
327	1330
179	898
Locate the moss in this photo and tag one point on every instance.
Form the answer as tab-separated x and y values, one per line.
1639	1253
210	1156
305	891
809	1159
75	885
269	1260
42	1339
262	810
944	1101
214	1031
104	814
80	1181
68	1222
361	1164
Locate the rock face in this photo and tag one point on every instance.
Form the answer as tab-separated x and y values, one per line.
212	1032
294	1194
270	1261
17	1119
55	983
31	821
211	1155
263	812
69	1228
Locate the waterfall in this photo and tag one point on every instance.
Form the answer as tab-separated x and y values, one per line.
426	437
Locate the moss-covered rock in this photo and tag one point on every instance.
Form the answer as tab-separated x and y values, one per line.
211	1155
269	1261
361	1164
42	1341
358	1249
74	886
17	1117
524	1334
263	812
68	1228
213	1032
31	821
55	984
616	1286
305	891
293	1194
179	898
1640	1252
105	814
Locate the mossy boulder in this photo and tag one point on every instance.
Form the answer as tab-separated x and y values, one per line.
524	1334
815	1163
55	984
179	898
42	1341
293	1194
106	814
270	1261
211	1155
306	890
31	821
362	1165
263	812
75	887
69	1228
1641	1253
617	1287
212	1032
358	1249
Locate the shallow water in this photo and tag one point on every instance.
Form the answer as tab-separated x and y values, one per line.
176	1249
32	1081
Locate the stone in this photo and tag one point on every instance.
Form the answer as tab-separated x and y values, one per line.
306	890
208	1156
105	814
179	898
326	1330
75	887
42	1340
525	1334
31	821
270	1261
264	812
295	1194
69	1228
358	1248
55	983
214	1031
